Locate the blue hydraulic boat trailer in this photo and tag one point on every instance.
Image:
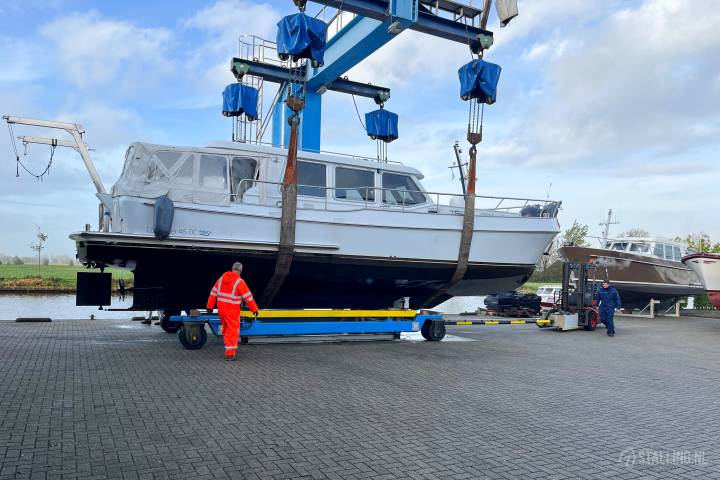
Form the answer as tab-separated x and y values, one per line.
288	323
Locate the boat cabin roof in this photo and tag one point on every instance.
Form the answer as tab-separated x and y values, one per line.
650	246
325	157
215	173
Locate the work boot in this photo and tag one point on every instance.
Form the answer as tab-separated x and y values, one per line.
230	355
611	334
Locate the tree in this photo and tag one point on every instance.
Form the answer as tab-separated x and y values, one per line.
637	232
17	260
575	235
39	245
549	267
701	242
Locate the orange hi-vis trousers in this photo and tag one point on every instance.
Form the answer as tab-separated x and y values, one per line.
230	291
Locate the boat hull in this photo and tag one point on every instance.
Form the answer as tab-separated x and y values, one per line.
707	267
638	278
179	275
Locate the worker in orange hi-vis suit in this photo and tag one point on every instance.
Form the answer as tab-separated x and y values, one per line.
230	291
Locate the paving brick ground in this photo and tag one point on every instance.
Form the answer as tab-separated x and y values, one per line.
115	399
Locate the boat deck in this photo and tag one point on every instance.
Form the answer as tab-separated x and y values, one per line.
117	399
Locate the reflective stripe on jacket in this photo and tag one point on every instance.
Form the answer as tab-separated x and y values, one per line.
230	291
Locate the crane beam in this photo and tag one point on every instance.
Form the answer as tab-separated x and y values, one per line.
427	22
277	74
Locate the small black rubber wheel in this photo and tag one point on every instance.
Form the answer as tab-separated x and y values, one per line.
193	337
433	331
591	321
424	330
165	321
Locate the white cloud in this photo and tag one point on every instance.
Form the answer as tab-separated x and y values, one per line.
223	23
94	51
642	82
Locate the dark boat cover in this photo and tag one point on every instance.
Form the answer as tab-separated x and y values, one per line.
300	36
381	124
239	99
479	79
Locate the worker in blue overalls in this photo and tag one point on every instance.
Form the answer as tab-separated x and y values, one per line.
609	299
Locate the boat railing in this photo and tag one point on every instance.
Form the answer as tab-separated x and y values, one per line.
435	202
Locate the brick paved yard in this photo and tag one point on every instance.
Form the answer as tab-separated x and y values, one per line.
121	400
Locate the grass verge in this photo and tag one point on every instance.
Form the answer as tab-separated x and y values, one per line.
48	278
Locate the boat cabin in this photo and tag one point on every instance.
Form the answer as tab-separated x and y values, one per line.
228	173
663	249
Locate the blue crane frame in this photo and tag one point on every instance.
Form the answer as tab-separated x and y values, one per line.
377	22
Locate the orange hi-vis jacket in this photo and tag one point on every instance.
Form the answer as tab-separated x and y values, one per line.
230	291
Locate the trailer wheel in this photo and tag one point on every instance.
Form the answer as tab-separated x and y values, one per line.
192	337
433	330
591	322
424	330
165	323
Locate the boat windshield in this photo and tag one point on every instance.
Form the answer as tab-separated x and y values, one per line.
620	246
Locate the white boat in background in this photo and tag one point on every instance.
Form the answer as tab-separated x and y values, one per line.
368	233
707	267
549	295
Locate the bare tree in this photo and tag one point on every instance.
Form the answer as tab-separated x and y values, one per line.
637	232
38	245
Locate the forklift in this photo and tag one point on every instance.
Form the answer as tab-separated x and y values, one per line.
575	308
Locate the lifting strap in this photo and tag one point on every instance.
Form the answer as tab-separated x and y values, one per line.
466	234
288	217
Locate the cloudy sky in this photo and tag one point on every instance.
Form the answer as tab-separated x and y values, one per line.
614	103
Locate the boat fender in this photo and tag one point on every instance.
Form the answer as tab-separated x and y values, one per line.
163	217
531	211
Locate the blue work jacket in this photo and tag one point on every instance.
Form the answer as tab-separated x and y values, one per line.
608	298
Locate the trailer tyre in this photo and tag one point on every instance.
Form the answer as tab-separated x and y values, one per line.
192	337
433	330
165	321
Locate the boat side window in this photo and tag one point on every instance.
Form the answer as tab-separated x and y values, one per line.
242	172
186	173
658	250
354	184
213	172
400	190
668	252
620	246
639	248
312	179
678	254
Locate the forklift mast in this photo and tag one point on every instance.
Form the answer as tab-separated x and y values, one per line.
584	279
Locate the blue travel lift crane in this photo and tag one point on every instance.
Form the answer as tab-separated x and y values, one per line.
316	65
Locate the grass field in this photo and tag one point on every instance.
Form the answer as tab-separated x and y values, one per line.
56	278
533	286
